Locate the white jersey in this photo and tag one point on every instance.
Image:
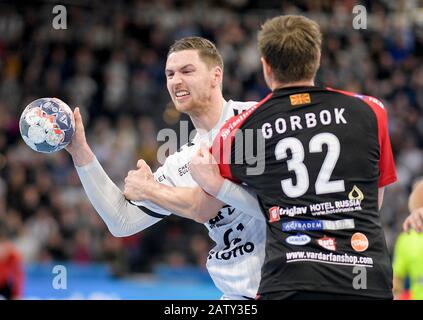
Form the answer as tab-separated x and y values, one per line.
235	261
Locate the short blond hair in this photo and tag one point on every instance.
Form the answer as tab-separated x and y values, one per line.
291	45
207	51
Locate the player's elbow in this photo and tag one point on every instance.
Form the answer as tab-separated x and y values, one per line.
194	212
119	232
202	218
203	208
203	215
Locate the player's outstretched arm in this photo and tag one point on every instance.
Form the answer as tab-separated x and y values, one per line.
121	218
191	203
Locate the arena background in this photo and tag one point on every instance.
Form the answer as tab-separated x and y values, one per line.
110	62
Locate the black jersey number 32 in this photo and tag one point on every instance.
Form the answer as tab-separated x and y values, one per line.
296	164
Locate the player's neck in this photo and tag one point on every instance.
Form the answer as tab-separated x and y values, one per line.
303	83
207	117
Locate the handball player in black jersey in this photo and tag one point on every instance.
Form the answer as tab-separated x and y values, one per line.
326	158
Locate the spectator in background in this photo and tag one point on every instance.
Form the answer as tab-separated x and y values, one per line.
290	46
11	268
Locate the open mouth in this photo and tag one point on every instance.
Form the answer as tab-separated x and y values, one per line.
182	94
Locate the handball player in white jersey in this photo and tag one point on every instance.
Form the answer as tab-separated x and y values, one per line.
194	73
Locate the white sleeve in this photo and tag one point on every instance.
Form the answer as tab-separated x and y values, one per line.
241	198
121	217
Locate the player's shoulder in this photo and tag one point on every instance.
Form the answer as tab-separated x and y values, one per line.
240	106
368	100
184	153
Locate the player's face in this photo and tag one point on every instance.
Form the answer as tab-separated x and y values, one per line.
189	80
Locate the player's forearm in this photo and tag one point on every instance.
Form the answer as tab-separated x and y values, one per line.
174	199
82	156
241	198
191	203
415	200
121	217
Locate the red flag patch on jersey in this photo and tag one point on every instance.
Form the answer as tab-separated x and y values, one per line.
300	98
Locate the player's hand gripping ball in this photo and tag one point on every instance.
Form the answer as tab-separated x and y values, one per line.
47	125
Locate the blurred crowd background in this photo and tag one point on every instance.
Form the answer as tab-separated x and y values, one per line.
110	61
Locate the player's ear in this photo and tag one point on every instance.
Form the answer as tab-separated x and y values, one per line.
267	72
266	67
217	76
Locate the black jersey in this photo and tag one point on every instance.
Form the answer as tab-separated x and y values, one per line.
319	156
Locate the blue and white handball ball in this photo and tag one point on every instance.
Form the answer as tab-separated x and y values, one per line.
47	125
